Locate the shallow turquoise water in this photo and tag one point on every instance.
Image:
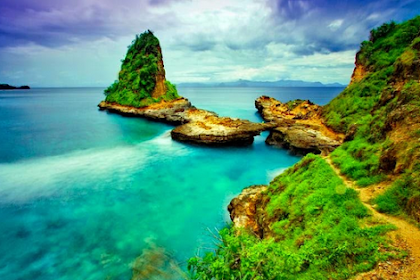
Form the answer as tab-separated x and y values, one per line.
83	192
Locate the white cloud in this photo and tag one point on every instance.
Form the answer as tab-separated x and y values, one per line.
335	24
218	40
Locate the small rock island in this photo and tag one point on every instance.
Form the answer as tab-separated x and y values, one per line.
142	90
9	87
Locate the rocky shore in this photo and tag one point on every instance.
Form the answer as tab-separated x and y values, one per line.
174	112
196	125
245	209
297	126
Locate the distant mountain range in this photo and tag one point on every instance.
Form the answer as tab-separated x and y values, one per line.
246	83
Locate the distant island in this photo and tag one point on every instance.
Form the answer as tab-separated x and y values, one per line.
6	86
247	83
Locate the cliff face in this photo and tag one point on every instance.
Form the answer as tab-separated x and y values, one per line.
379	112
141	80
359	71
160	86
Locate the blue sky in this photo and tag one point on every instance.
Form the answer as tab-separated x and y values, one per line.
81	42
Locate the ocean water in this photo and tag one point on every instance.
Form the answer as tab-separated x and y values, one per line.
86	194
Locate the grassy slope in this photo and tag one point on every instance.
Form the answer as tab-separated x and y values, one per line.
317	232
136	80
382	111
318	227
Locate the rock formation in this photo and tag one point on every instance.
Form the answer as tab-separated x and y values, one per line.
142	90
141	80
298	126
160	86
174	111
214	130
198	126
244	209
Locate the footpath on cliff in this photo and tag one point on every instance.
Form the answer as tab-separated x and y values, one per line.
406	236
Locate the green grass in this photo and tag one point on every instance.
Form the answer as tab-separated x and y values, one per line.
136	79
359	161
317	232
315	227
391	49
365	106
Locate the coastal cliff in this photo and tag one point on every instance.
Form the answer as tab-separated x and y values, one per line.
312	221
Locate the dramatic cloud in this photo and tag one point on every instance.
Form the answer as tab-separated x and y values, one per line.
80	42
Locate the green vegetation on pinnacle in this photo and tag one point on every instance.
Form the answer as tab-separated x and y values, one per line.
319	230
380	111
141	80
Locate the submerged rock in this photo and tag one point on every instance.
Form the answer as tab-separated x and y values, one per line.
298	126
155	263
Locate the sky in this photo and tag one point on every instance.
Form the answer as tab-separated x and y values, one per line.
81	42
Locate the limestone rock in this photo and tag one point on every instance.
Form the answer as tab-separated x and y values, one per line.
198	126
302	140
160	86
174	111
243	209
213	130
298	126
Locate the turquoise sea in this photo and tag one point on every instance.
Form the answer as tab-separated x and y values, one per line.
84	193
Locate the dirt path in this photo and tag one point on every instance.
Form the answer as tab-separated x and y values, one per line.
407	237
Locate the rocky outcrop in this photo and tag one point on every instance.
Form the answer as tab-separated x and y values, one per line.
197	126
213	130
244	209
297	126
141	80
302	139
359	71
174	111
160	86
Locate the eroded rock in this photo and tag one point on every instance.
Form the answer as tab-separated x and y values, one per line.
173	112
298	126
197	125
302	140
213	130
243	209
